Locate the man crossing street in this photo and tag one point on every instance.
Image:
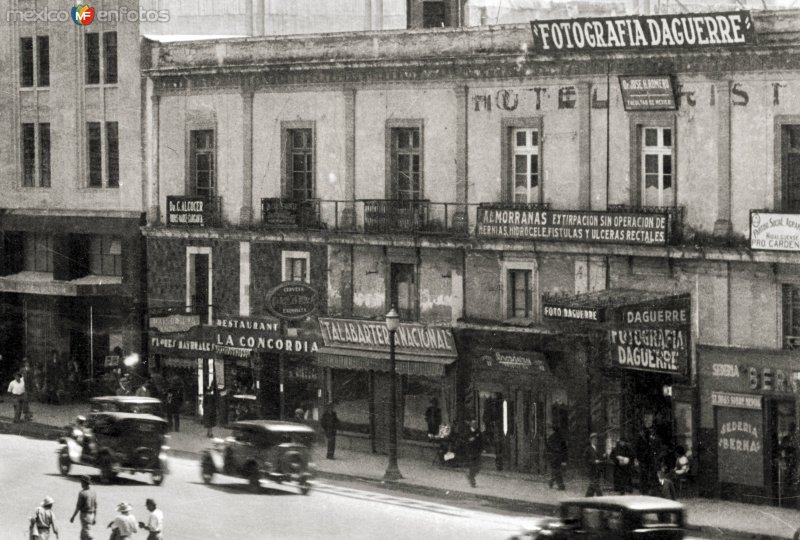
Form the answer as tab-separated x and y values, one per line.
86	507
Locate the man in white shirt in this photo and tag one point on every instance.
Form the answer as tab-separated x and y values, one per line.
17	389
156	522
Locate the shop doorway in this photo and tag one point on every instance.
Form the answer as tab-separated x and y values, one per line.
782	439
513	421
647	405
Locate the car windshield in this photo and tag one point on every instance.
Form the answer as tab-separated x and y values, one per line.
661	519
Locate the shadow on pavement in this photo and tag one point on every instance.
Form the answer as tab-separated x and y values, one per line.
244	489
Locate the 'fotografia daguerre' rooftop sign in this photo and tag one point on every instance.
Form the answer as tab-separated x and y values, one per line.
499	221
650	31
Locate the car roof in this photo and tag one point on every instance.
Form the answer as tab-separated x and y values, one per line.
130	416
641	503
273	425
125	399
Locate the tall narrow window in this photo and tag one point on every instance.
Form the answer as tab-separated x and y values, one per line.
28	155
38	252
295	265
44	155
300	164
43	57
403	292
112	152
406	164
92	58
94	154
791	316
105	256
110	57
657	182
525	165
199	285
790	144
26	61
519	294
201	162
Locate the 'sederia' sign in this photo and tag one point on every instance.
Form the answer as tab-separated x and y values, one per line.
635	32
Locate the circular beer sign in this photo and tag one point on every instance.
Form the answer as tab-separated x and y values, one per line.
292	300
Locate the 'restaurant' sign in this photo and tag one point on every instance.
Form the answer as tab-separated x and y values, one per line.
241	335
647	93
649	31
373	335
186	211
774	231
505	221
653	336
292	300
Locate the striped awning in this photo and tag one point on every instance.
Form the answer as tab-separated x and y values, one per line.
238	352
341	358
179	363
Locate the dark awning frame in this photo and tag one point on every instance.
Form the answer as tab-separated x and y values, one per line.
341	358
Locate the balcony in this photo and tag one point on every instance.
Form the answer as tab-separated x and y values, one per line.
286	213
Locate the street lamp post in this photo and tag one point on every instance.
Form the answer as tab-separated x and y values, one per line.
392	471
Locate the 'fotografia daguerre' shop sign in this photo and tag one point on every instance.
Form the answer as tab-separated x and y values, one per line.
573	226
640	32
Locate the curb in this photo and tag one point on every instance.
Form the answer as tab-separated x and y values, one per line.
46	432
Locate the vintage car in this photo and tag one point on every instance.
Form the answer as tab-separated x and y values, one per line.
262	449
624	517
130	404
116	442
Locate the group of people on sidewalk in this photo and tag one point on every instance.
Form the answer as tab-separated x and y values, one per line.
42	523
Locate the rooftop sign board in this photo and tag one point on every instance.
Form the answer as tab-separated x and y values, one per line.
644	32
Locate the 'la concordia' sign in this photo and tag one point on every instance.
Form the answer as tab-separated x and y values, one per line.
636	32
292	300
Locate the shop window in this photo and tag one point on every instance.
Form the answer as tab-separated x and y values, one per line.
403	290
98	59
295	266
405	168
657	182
199	282
791	316
790	158
299	164
350	390
433	14
202	179
38	252
525	165
418	392
105	256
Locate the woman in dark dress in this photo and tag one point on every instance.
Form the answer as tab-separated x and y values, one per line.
210	409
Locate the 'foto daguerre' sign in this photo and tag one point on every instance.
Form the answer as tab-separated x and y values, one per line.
649	31
508	221
647	93
774	231
292	300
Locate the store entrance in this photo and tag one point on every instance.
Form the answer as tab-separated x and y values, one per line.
782	439
648	406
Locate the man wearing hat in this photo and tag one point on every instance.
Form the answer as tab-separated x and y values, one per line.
155	524
86	507
43	521
594	462
125	523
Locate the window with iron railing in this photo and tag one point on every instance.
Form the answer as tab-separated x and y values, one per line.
791	315
790	156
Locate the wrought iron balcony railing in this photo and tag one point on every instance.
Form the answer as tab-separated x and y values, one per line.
279	213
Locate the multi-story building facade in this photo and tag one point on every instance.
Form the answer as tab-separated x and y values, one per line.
560	253
72	254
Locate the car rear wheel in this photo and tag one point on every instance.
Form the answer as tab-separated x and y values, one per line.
207	469
64	463
157	477
305	487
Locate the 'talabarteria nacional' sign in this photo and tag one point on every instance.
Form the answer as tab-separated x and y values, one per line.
373	335
637	32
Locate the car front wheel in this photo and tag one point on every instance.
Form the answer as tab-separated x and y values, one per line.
305	487
64	463
157	477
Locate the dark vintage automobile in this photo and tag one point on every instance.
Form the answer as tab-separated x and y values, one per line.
263	449
130	404
116	442
624	517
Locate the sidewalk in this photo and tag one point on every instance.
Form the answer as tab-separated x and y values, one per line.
710	517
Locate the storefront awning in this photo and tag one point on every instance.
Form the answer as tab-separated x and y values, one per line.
29	282
345	358
179	363
597	306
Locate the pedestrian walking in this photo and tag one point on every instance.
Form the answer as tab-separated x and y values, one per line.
210	409
594	464
125	524
43	521
155	523
174	402
622	457
433	416
644	459
557	452
17	390
30	388
474	449
330	423
86	507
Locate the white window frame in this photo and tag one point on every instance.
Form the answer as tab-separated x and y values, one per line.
286	255
659	150
199	250
533	194
532	266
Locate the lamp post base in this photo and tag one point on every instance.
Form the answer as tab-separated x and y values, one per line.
392	473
